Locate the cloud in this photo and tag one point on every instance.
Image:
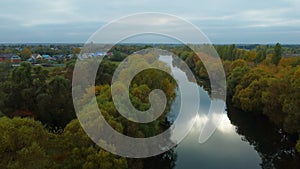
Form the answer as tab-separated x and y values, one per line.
36	17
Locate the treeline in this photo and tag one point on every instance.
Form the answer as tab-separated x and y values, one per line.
120	52
268	89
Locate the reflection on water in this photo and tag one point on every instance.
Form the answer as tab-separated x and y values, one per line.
241	140
275	147
224	149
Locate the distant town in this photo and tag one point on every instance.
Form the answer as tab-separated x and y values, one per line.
57	55
44	55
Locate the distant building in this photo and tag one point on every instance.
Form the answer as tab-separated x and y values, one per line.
36	56
10	58
86	55
15	59
58	57
47	57
70	56
97	54
4	58
94	55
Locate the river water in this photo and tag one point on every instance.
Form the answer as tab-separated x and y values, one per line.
240	140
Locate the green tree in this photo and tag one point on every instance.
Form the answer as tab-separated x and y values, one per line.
5	69
231	52
237	63
234	78
249	98
23	144
60	104
291	103
261	54
248	92
77	151
101	159
271	99
277	54
30	92
298	146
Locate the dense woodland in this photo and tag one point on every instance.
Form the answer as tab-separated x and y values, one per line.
39	127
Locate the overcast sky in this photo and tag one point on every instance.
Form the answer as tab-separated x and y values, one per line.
223	21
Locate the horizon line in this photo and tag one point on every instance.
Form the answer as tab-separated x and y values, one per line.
140	43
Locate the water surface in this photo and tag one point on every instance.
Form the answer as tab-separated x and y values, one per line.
224	149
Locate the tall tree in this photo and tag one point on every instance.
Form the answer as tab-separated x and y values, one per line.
277	54
261	54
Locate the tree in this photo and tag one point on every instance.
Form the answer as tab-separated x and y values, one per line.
77	150
277	54
105	72
249	99
23	144
234	78
100	159
60	105
27	144
252	55
4	71
231	52
25	54
30	92
298	146
237	63
291	103
76	50
248	92
16	89
271	98
261	54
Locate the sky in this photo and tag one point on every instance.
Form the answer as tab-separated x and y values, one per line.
223	21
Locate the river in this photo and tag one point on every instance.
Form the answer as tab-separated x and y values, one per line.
241	140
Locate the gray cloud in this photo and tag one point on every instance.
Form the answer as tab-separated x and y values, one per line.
231	21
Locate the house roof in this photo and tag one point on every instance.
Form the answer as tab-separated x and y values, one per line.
100	53
46	56
35	55
8	55
58	56
15	57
